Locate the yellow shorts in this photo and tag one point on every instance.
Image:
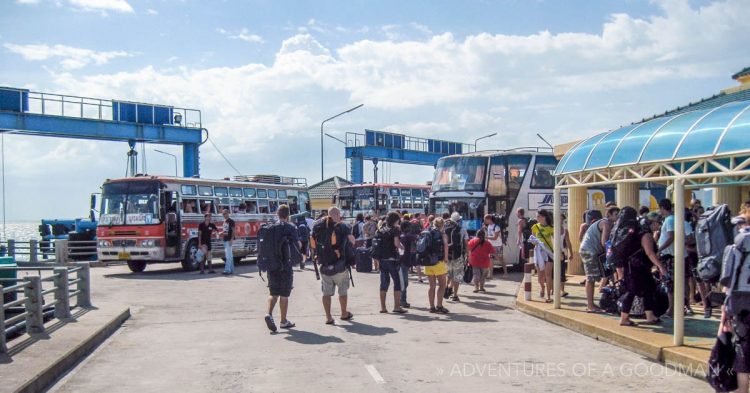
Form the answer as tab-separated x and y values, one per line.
436	270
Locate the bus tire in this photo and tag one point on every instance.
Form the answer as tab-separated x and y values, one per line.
137	266
189	264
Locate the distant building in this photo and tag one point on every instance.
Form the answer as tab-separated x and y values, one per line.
321	194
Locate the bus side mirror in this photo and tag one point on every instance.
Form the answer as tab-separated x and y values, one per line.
93	202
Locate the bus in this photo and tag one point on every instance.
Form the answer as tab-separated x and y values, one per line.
360	198
500	182
154	219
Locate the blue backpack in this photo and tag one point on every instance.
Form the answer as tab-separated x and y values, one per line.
429	247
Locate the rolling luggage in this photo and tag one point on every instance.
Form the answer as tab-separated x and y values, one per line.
363	260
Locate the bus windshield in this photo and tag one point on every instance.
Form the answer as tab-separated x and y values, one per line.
130	203
460	174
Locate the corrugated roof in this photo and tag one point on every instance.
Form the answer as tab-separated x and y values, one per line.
326	189
744	72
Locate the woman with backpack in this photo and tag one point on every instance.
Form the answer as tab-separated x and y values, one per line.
436	274
408	258
638	278
389	239
480	250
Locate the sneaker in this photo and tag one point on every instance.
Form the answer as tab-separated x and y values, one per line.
405	305
270	323
287	324
689	311
455	298
707	313
448	293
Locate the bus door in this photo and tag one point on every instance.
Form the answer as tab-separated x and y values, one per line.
172	225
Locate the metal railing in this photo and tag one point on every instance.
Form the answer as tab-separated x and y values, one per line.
354	139
51	251
97	109
47	293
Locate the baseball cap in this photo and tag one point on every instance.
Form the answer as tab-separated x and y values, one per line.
455	217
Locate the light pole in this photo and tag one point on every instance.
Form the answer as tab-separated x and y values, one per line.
345	168
477	140
173	156
321	136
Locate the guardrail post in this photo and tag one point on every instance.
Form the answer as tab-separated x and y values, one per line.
33	294
62	308
61	251
3	346
11	248
84	286
33	250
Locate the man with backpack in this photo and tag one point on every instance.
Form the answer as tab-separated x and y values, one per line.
278	246
593	250
303	231
333	243
666	249
456	252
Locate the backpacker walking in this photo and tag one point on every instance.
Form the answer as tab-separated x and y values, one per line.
385	247
433	259
278	250
329	239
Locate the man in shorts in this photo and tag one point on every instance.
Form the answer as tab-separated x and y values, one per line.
280	281
333	272
205	229
592	250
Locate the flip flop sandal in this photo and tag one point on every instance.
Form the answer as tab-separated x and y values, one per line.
630	323
565	294
548	300
400	311
442	310
331	322
654	322
433	310
348	316
384	311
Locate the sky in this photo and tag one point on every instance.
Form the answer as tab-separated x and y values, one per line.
264	74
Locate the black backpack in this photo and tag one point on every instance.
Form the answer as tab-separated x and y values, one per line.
429	247
527	228
275	250
327	245
720	374
624	236
303	231
382	244
455	242
355	229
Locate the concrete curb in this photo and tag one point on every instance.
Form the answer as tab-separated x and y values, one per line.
680	358
66	362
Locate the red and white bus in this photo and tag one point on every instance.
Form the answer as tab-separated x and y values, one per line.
360	198
154	219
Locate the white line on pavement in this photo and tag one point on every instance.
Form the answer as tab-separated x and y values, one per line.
374	374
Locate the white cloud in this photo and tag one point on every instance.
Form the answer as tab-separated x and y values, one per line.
70	57
243	35
103	6
563	85
33	2
152	11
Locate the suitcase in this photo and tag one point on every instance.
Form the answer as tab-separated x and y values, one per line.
363	260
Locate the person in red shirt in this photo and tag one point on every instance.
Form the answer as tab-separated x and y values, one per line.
479	258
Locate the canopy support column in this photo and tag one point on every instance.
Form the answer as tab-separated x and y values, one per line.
578	199
731	195
679	261
557	245
628	194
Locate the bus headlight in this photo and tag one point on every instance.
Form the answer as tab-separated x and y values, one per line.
147	243
105	243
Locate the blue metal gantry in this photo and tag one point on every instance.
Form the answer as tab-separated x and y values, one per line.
32	113
385	146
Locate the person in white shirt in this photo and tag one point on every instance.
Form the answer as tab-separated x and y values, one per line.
495	237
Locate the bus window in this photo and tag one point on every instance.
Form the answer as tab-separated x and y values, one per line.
263	206
395	203
517	166
189	190
543	169
207	206
282	194
262	193
406	202
221	192
460	174
293	203
205	191
235	192
406	192
272	194
417	203
394	192
273	206
189	206
249	192
498	185
252	206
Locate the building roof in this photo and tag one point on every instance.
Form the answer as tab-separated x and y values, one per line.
745	72
719	130
326	189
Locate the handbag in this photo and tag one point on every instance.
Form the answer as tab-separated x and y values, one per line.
720	375
468	273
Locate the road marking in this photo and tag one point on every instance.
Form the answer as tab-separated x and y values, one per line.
374	374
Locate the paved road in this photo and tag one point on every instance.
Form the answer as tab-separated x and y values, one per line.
201	333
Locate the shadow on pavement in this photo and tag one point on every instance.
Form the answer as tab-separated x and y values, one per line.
178	274
486	306
365	329
309	338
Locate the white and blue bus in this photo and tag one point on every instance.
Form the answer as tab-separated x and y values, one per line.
500	182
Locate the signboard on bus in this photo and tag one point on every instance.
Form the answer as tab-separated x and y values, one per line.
539	201
110	219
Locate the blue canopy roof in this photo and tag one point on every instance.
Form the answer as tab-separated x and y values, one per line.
689	135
